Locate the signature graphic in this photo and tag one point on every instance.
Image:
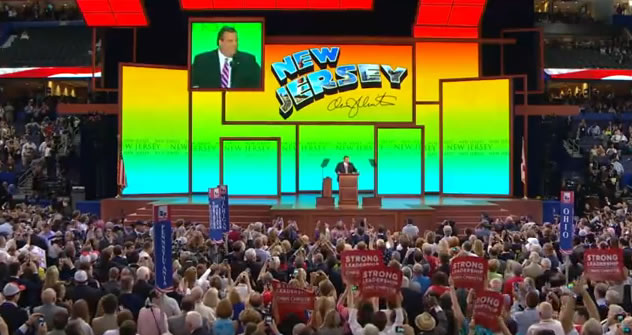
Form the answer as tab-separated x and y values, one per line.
353	105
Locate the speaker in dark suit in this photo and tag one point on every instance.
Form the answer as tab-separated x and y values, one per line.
225	67
345	167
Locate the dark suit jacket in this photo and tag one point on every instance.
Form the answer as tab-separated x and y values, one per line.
412	303
90	294
340	168
142	289
177	325
245	72
13	315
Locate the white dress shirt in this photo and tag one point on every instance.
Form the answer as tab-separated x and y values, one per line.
223	59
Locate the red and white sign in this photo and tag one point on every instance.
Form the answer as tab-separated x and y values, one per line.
589	74
487	309
292	300
604	264
380	281
568	197
469	272
353	261
49	72
161	213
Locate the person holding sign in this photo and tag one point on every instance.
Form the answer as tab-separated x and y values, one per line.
355	326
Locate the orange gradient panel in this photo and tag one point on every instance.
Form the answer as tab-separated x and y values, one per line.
442	60
263	106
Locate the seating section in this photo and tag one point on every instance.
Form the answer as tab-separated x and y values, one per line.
578	58
59	46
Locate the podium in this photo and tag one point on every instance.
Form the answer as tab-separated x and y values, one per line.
326	200
348	189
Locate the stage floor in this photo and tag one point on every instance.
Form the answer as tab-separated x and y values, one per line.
308	201
426	211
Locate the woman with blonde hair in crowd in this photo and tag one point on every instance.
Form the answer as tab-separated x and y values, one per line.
322	306
236	302
211	298
52	277
531	267
332	324
492	270
478	249
301	277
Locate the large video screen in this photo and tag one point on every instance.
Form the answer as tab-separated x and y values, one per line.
476	137
155	132
226	55
329	83
323	100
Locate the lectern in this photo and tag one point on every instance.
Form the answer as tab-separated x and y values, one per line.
348	189
326	200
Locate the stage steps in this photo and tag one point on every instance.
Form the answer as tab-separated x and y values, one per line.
239	214
467	216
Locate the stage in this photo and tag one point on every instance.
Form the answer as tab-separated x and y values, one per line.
426	211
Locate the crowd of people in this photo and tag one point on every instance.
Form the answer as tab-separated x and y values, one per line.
33	139
606	169
39	11
78	275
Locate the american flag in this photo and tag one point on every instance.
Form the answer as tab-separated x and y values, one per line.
523	164
122	178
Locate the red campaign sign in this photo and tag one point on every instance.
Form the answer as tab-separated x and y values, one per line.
469	272
487	308
353	261
292	300
380	281
604	264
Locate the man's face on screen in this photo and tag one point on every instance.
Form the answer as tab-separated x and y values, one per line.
228	44
346	159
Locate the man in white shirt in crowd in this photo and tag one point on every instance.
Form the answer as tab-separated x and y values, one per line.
618	137
546	321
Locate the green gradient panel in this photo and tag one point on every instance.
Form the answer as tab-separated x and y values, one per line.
239	158
476	137
428	116
155	132
399	161
334	142
204	37
207	128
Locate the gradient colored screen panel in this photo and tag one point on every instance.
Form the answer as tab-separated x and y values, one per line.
399	161
207	128
378	101
155	132
204	37
239	158
317	143
428	116
476	121
442	60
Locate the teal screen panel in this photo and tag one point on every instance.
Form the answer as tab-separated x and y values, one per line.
399	161
250	167
317	143
207	128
